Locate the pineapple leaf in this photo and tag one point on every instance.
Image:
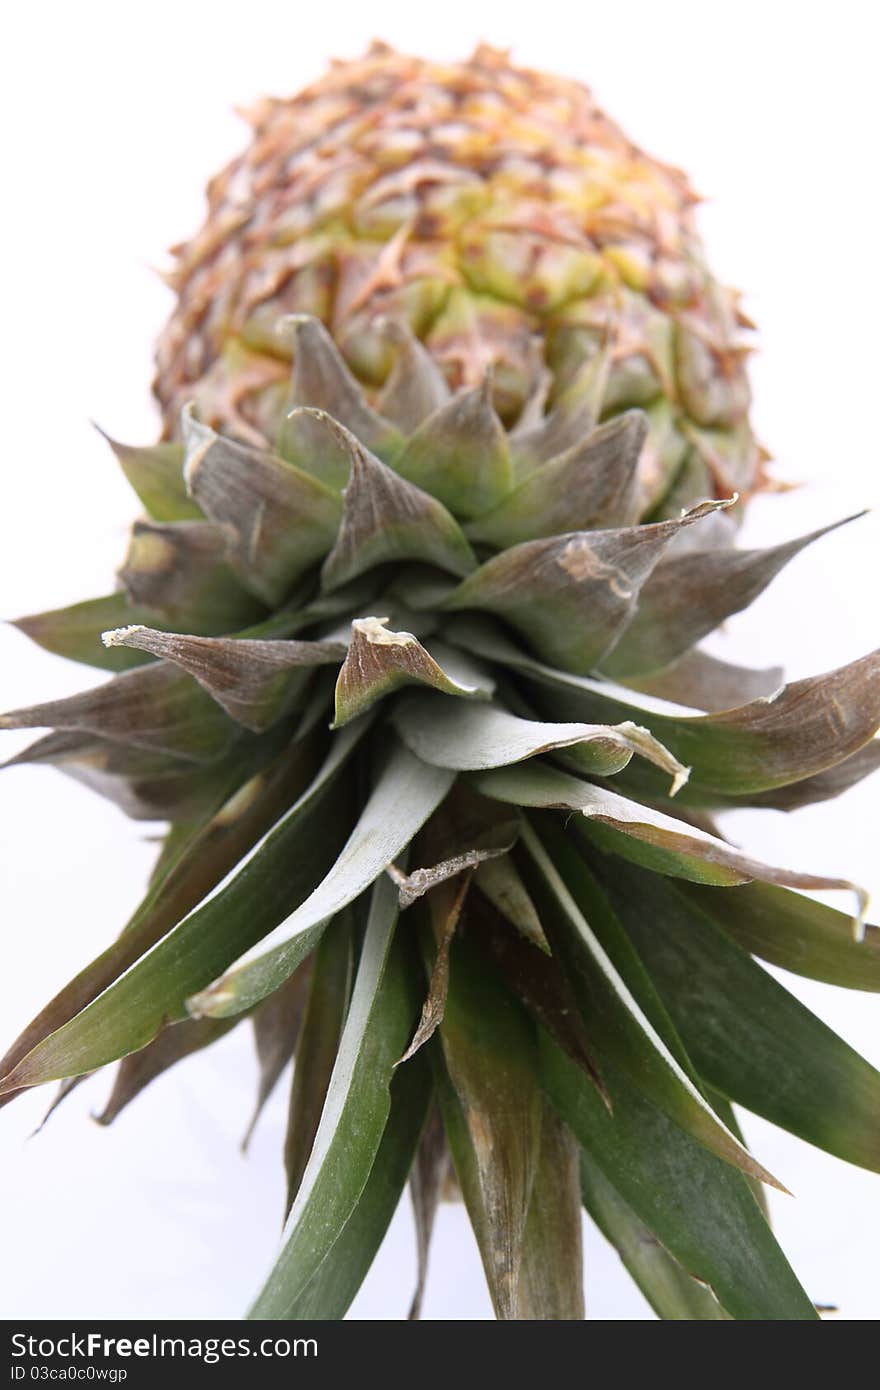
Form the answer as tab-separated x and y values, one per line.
416	386
179	570
749	1038
406	792
672	1292
551	1275
254	681
500	881
155	472
485	1072
329	1293
706	683
646	836
794	932
764	744
688	595
355	1111
428	1175
379	662
385	518
277	1024
169	1047
75	632
700	1208
589	487
322	379
280	520
470	738
196	857
143	784
280	872
825	785
460	454
155	707
445	907
318	1044
571	595
573	418
619	1005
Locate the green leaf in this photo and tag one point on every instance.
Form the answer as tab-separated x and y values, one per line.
379	662
551	1276
460	454
281	521
766	743
672	1292
385	518
794	932
688	596
279	873
500	880
321	379
573	418
256	682
329	991
277	1024
706	683
619	1006
195	858
405	794
571	595
156	473
487	1086
699	1207
175	1042
430	1172
750	1038
473	737
822	786
155	707
445	905
180	571
355	1111
643	835
330	1291
589	487
415	387
146	785
75	632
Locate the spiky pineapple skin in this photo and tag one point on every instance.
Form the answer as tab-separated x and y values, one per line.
504	218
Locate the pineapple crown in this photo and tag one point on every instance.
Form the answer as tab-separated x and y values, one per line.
417	659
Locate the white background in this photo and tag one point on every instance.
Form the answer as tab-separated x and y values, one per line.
114	117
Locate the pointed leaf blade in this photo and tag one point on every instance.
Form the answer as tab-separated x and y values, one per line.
281	521
406	793
385	518
571	595
672	1292
265	887
380	661
748	1036
589	487
460	454
698	1206
355	1111
688	596
254	681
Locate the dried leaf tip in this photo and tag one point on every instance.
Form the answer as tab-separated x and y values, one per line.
119	636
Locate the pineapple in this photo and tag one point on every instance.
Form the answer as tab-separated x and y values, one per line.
406	651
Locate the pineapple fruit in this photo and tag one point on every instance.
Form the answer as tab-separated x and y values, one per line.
406	651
